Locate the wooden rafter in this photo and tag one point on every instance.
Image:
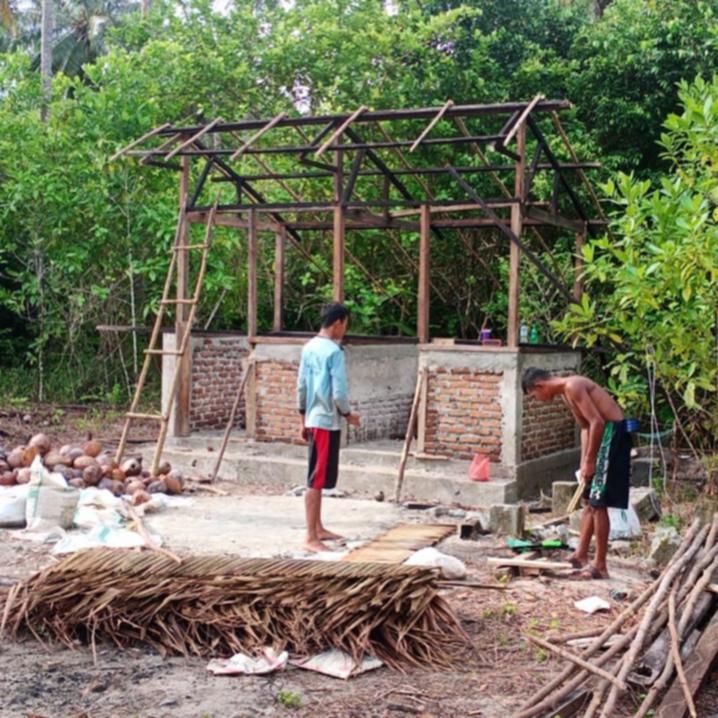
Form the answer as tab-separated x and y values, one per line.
340	131
272	123
431	125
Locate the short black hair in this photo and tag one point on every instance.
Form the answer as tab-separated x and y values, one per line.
532	376
334	312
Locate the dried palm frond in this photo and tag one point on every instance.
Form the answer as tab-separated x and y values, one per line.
210	606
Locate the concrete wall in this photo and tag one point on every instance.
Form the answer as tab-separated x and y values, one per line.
217	366
382	378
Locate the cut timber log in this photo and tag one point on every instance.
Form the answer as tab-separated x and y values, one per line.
577	660
697	667
527	563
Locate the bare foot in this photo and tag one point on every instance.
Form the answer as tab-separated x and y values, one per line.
577	562
326	535
315	546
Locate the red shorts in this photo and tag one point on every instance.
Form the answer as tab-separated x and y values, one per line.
323	458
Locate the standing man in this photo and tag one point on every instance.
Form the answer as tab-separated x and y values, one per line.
605	457
323	400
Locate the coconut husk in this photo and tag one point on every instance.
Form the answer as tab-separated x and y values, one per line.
218	606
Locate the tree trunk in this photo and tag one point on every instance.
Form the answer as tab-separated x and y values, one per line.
48	23
146	7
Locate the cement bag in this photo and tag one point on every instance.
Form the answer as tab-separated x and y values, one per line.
12	506
625	523
50	501
449	566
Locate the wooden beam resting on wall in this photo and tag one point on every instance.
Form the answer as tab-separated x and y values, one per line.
252	276
512	329
424	259
184	380
280	241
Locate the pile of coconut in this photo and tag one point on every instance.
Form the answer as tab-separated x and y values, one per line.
89	464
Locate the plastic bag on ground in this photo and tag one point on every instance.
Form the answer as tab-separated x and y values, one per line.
98	507
13	500
625	523
480	468
337	664
450	566
107	536
267	662
592	604
51	502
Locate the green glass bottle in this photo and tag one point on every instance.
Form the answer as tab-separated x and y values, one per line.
534	335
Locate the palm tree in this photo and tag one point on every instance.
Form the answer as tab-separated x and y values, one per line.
8	23
79	37
48	27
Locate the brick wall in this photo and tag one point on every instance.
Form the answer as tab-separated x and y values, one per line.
216	375
276	387
547	427
464	415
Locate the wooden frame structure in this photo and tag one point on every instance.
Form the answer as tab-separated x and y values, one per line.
333	154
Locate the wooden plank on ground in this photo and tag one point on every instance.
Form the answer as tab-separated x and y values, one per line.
398	543
697	668
527	563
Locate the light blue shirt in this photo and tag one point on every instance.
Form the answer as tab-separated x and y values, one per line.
322	387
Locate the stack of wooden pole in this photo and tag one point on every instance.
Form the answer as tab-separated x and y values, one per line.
661	646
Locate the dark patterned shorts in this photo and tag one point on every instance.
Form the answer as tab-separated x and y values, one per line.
612	479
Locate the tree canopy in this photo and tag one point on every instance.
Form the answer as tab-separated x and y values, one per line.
84	242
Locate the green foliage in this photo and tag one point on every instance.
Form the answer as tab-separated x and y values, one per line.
654	290
77	234
289	699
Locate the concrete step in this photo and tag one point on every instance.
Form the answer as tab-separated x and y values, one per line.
363	471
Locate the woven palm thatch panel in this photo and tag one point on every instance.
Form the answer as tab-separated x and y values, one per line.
398	543
215	606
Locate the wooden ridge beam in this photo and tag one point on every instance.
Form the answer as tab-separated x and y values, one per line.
417	113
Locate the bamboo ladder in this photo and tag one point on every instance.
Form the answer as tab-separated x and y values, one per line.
164	416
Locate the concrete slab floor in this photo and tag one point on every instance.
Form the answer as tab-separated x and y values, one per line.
265	526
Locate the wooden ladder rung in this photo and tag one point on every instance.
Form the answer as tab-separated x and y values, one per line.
177	301
135	415
190	246
168	352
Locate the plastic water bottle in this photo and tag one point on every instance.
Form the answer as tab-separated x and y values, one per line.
523	334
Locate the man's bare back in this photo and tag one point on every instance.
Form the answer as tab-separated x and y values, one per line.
580	392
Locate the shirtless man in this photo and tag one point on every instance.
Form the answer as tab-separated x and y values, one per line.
605	457
322	401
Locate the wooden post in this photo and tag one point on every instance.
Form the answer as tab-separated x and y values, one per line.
182	398
578	265
512	329
280	240
422	321
252	276
420	381
339	227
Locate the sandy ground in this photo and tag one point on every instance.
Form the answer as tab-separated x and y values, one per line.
265	526
491	678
